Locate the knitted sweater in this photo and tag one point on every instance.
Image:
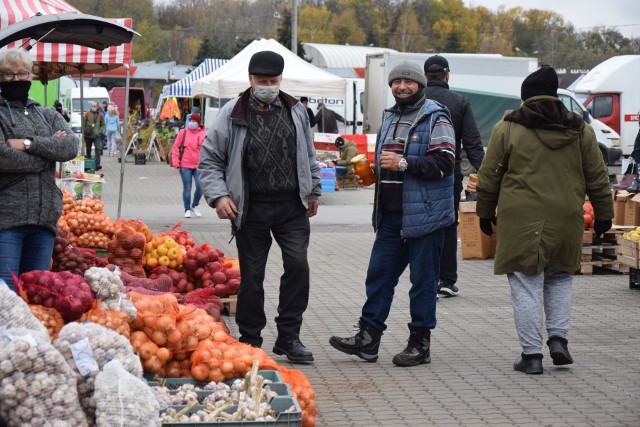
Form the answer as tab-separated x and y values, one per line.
28	192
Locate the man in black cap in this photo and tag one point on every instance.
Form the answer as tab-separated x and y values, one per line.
413	203
436	70
258	169
541	162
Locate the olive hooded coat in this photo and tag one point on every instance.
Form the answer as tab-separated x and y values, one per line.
541	161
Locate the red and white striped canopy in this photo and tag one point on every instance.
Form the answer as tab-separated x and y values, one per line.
12	11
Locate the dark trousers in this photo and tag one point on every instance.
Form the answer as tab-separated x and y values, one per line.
98	148
390	256
449	258
288	223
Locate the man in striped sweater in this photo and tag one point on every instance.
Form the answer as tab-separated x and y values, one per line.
415	157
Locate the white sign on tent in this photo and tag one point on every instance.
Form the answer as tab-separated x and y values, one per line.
299	77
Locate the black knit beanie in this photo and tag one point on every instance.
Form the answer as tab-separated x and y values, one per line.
541	82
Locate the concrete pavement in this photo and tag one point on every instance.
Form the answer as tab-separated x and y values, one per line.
470	381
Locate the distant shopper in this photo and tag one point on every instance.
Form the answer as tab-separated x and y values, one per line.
327	120
92	127
348	150
185	155
112	124
61	111
32	140
437	71
312	117
541	162
259	170
104	105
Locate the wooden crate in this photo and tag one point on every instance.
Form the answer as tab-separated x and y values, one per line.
230	304
628	252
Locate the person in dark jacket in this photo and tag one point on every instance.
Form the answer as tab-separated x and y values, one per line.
413	204
542	160
61	111
327	120
312	117
93	126
32	140
436	69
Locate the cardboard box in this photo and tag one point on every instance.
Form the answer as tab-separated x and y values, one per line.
474	243
632	210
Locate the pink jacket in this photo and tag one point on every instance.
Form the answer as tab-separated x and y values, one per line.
193	140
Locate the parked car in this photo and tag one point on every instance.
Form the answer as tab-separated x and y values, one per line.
608	139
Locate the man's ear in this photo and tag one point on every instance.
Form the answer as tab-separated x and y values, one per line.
446	77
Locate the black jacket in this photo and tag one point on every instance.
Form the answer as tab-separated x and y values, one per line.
464	125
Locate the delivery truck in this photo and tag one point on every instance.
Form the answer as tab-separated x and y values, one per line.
72	103
491	82
350	106
611	93
139	100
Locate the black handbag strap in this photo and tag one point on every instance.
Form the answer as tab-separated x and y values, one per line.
181	148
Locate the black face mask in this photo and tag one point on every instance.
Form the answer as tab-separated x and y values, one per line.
15	90
411	100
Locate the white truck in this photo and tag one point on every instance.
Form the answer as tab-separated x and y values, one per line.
491	82
350	106
611	93
71	102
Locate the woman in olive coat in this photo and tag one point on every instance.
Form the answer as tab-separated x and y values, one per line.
541	162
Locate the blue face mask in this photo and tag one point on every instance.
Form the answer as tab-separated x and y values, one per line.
193	125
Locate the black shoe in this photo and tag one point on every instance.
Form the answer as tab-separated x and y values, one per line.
559	350
98	167
530	364
295	351
635	187
448	290
417	351
252	341
364	344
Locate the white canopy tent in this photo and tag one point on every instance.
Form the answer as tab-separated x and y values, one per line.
299	77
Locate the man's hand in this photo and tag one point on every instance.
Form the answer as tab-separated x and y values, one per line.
312	210
389	160
225	208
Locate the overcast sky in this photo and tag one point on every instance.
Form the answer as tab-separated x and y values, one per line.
624	15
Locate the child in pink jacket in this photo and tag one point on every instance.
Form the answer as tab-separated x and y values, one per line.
185	156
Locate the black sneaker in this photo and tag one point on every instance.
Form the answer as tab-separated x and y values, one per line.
448	290
364	344
530	364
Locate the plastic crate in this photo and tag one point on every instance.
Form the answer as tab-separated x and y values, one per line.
278	404
175	383
634	278
90	165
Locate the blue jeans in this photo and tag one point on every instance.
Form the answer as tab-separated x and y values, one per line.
23	249
188	176
389	258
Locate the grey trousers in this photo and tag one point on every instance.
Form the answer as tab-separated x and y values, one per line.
549	290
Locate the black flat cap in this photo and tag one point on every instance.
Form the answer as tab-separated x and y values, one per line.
266	63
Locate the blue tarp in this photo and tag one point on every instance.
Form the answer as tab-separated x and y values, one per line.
182	88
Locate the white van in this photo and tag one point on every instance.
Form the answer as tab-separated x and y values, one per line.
71	102
608	139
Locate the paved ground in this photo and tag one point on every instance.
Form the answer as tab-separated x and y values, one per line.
471	381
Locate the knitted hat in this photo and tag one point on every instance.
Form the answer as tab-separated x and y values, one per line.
435	64
266	63
195	117
541	82
408	70
339	141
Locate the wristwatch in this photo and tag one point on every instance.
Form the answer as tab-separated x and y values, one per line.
403	165
27	144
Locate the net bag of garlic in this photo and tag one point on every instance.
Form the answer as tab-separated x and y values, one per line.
124	400
15	312
37	386
87	348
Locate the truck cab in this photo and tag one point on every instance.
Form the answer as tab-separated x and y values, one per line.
608	138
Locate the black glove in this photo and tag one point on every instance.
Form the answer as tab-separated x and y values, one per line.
485	225
601	227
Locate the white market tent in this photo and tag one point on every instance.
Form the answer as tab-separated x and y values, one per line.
182	88
299	77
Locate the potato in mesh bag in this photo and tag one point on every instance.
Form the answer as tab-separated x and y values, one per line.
124	400
87	348
37	386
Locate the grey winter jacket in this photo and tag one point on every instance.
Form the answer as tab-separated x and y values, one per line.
464	125
220	167
28	191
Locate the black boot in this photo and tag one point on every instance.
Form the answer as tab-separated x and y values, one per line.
529	364
364	344
417	350
559	350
